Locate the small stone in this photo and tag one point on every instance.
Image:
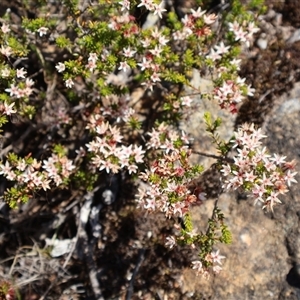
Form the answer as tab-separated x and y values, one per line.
262	43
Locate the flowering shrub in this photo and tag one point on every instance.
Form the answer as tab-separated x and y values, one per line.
265	176
103	55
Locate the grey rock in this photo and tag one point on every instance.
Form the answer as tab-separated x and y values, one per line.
295	37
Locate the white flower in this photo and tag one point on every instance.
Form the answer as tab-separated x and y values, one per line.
171	242
252	29
124	66
5	169
214	55
93	57
289	177
127	52
6	51
162	40
29	82
5	28
8	109
216	257
186	101
236	62
13	91
42	31
145	64
5	72
125	5
217	269
132	168
198	13
250	91
69	83
146	42
21	73
155	77
221	49
60	67
91	66
156	51
158	9
197	265
149	85
147	3
210	19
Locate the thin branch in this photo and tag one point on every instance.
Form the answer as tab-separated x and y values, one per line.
136	269
221	158
216	204
48	289
82	243
29	130
208	155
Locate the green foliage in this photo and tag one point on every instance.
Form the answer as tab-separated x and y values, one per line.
73	66
197	169
226	237
34	24
188	58
188	223
4	97
173	21
174	76
216	231
154	178
12	158
258	5
3	120
85	180
211	128
18	47
15	196
134	123
60	150
28	111
102	33
72	6
63	42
